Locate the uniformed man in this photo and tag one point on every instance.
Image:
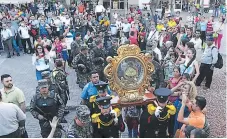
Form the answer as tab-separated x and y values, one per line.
158	75
82	65
102	88
75	45
59	78
112	51
44	106
155	120
46	75
82	126
98	59
109	122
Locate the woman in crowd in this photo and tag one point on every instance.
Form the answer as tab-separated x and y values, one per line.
218	31
188	64
41	61
174	81
190	90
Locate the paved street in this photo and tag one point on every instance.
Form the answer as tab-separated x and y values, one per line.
23	73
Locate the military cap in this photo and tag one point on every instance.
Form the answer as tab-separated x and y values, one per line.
83	113
45	74
42	83
162	94
104	101
84	47
101	87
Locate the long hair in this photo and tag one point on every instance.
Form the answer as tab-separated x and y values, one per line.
192	90
193	58
36	49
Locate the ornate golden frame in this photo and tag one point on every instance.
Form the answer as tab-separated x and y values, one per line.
128	94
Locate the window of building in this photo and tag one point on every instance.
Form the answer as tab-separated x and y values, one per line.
118	4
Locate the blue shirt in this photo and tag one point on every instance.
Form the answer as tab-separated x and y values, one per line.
90	90
203	26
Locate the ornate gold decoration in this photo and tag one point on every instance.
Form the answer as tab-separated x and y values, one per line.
129	73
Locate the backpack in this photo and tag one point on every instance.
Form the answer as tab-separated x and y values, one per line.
219	63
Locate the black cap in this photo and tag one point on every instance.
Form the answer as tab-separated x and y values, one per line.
101	87
162	94
104	101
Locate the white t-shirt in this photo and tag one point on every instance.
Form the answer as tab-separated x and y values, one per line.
158	52
126	27
99	9
23	31
10	115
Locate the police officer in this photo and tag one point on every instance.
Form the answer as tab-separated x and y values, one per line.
155	119
82	126
102	88
46	75
98	59
109	122
82	65
44	106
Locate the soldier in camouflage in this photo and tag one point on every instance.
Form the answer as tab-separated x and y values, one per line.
82	66
98	59
82	126
59	78
44	106
75	45
112	51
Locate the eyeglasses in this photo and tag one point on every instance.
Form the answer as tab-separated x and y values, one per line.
39	48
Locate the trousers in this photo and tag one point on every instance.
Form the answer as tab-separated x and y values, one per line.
205	71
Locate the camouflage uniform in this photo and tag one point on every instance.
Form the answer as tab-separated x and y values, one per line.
59	78
76	131
112	51
48	108
75	47
82	65
98	61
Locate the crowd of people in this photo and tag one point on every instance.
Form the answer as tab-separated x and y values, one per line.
81	38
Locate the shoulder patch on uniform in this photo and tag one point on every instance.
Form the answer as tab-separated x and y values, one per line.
92	99
118	111
151	109
172	109
95	117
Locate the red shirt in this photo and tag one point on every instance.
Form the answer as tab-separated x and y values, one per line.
130	20
133	40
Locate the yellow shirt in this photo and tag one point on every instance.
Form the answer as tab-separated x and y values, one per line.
106	23
172	23
160	27
14	95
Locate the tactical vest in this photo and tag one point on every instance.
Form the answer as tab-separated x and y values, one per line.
99	53
47	107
